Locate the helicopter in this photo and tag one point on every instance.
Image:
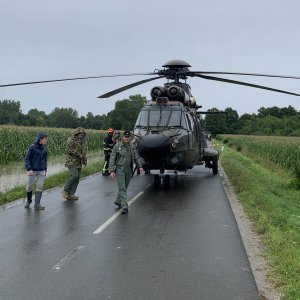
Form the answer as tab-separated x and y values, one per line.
168	130
168	133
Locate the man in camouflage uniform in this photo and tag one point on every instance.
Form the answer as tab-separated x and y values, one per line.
117	137
121	160
75	159
108	144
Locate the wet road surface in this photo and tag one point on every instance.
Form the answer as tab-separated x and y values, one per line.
180	243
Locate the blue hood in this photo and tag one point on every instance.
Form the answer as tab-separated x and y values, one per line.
40	136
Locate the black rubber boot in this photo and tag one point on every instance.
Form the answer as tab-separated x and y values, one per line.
124	211
37	201
118	204
29	199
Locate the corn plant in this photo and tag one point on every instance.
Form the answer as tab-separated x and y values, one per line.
15	140
282	151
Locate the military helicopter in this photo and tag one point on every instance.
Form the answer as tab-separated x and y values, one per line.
168	131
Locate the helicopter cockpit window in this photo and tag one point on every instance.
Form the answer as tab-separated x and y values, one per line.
142	119
158	118
188	122
175	119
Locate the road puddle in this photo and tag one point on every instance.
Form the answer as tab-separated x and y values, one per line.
14	174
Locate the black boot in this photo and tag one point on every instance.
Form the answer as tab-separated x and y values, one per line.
29	199
124	211
37	201
118	204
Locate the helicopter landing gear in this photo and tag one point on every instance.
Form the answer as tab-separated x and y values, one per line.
156	181
176	178
212	165
167	181
162	179
215	167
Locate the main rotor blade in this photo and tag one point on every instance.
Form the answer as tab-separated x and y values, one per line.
212	112
246	84
127	87
76	78
196	73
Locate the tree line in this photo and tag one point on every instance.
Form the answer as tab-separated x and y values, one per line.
268	121
123	116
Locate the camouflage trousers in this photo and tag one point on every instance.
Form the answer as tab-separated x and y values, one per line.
73	180
123	178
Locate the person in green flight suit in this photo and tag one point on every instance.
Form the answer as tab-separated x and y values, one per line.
123	156
74	160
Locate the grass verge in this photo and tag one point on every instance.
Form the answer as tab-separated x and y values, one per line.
50	182
273	205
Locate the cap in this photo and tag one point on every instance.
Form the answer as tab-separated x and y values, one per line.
110	130
127	133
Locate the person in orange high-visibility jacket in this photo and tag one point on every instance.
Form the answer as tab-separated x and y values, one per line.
108	144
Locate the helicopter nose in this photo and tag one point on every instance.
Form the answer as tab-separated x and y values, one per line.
154	146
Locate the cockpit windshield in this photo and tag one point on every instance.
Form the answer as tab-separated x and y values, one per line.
160	116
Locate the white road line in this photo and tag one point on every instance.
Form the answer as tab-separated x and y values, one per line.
67	258
113	217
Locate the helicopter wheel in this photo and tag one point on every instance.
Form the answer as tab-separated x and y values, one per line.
176	178
156	181
167	181
215	167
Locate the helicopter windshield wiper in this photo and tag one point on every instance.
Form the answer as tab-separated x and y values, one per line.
141	126
174	126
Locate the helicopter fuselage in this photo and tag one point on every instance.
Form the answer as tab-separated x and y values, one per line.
168	136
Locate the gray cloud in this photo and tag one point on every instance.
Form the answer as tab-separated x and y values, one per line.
61	39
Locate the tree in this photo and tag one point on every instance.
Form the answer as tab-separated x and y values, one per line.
63	117
93	122
277	112
215	123
231	120
10	112
35	117
125	113
288	111
99	121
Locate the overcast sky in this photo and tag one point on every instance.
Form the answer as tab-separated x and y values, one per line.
42	40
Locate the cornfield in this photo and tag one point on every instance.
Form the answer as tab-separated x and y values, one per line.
15	140
282	151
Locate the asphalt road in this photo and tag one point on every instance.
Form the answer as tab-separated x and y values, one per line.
180	243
